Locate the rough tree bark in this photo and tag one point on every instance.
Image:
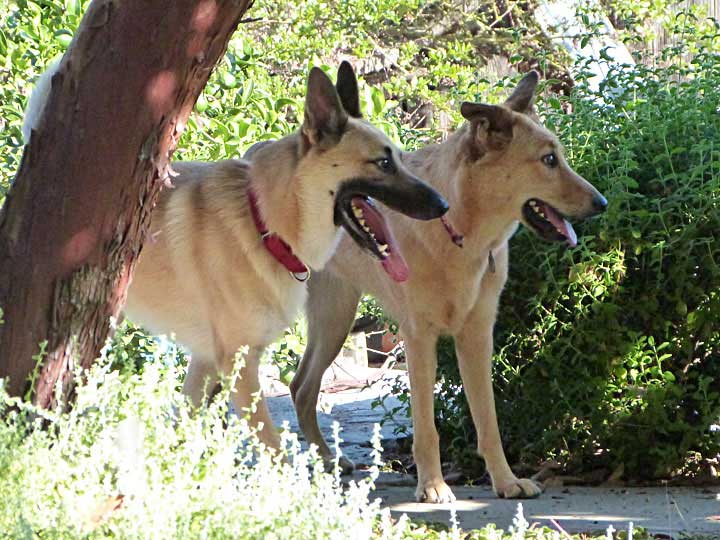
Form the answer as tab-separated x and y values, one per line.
78	212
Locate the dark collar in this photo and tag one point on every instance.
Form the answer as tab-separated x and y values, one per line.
275	245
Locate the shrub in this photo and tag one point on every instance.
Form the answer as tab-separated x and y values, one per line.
609	354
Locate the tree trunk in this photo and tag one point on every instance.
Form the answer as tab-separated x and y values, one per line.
79	210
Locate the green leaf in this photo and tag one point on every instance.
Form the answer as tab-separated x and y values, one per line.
378	101
201	104
228	80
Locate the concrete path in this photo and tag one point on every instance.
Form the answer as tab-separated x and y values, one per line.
352	409
574	509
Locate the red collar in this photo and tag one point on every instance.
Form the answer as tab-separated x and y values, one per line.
277	247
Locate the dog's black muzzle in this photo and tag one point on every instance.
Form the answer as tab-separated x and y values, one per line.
355	212
408	196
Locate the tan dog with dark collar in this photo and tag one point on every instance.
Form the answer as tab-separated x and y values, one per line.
500	168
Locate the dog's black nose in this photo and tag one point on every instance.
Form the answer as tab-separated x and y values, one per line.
421	202
441	205
599	203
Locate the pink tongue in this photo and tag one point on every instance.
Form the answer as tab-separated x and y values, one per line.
562	225
395	264
396	267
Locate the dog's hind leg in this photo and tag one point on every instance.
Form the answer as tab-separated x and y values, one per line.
420	347
330	312
474	346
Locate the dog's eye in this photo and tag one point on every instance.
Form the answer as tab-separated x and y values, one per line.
550	160
385	164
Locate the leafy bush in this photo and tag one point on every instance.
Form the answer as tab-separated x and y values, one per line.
287	352
609	354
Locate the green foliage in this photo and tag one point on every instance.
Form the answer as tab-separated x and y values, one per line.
31	35
641	22
130	349
37	361
614	347
287	352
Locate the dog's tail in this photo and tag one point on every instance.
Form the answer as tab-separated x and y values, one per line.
38	99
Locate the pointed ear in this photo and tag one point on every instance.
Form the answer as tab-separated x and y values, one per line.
347	89
325	118
521	100
492	126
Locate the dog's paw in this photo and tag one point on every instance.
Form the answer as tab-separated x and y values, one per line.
346	466
434	491
518	488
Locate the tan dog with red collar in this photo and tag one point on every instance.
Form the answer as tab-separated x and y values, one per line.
233	241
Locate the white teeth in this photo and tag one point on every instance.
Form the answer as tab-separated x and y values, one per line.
365	228
359	215
382	248
537	209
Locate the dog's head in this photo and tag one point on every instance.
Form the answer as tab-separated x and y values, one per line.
527	161
352	162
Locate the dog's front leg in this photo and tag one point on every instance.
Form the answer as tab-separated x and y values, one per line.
248	397
422	365
330	311
201	379
474	346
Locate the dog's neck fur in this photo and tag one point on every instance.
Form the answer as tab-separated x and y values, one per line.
285	205
473	212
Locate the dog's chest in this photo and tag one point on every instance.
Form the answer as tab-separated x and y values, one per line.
445	290
256	314
453	295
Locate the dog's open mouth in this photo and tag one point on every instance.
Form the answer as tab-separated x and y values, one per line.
548	223
366	225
